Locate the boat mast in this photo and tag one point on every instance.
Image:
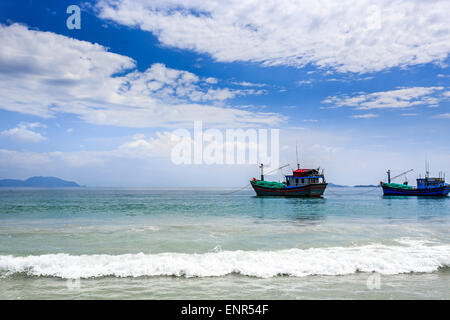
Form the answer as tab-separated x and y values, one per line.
397	176
262	171
296	152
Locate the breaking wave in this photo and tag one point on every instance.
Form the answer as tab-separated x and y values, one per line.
412	257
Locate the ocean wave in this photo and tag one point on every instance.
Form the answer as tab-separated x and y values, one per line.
414	257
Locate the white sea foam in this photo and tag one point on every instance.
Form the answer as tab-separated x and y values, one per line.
414	257
144	229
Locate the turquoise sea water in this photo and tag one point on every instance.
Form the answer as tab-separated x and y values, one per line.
190	243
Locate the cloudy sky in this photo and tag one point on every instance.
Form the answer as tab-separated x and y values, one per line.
362	86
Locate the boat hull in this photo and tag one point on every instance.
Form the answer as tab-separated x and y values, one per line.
431	192
310	190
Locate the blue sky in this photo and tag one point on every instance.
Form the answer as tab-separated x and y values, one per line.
362	88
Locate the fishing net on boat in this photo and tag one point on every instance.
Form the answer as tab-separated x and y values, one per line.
269	184
399	186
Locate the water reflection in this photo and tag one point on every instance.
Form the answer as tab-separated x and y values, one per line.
432	209
302	210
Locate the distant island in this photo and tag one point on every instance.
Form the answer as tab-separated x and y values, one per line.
38	182
357	186
332	185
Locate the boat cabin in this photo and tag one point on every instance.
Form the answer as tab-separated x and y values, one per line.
424	183
302	177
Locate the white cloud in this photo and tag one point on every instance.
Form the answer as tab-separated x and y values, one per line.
176	86
348	78
409	114
211	80
140	147
43	74
443	116
304	82
398	98
365	116
248	84
362	36
78	158
324	149
23	159
137	148
23	133
296	128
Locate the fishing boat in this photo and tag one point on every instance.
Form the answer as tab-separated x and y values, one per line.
301	183
428	186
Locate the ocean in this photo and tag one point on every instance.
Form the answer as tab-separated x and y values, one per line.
109	243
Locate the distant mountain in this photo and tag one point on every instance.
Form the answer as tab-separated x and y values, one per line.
332	185
39	182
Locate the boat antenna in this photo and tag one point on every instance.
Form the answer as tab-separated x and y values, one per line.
296	152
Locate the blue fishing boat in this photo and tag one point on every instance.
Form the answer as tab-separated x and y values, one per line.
428	186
